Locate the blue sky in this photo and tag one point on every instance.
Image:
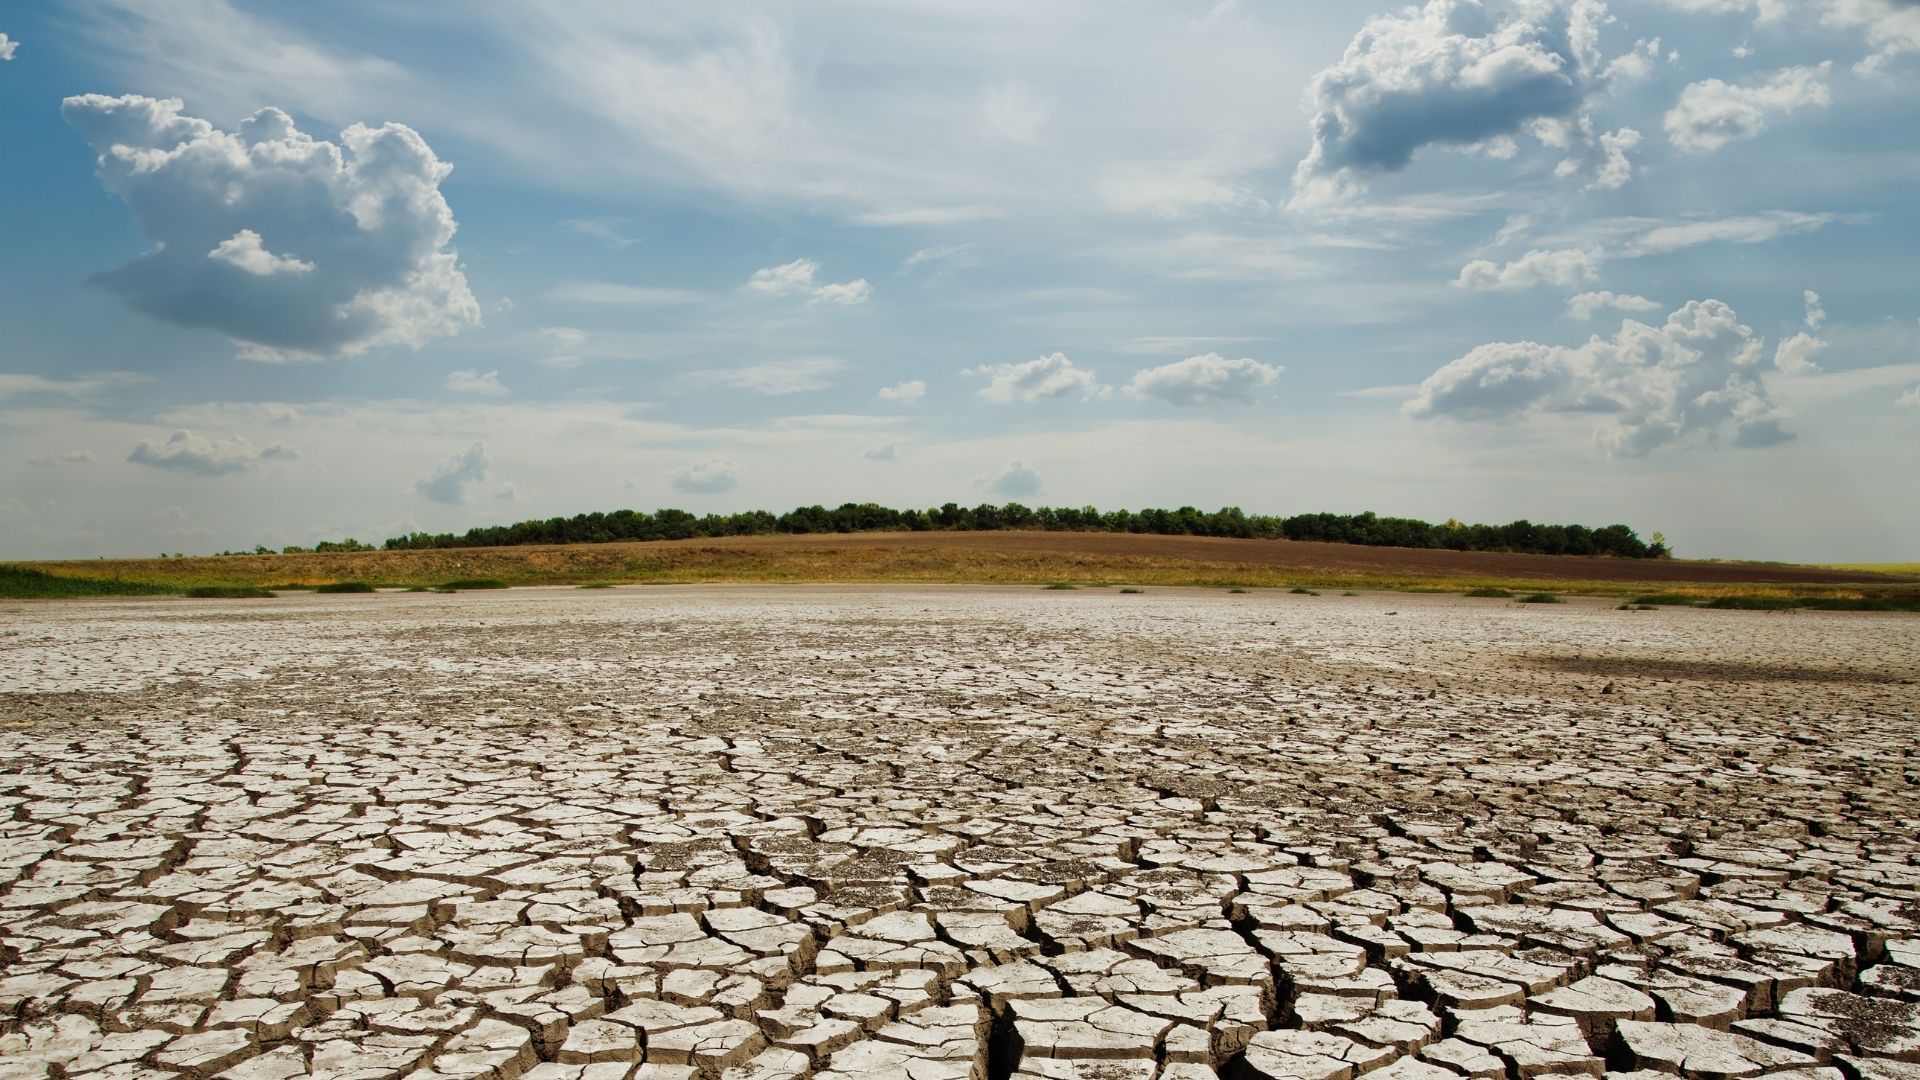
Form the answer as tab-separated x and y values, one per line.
276	272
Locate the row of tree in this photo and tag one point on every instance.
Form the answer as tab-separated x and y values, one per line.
1368	528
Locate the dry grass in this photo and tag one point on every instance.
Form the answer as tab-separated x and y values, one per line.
990	558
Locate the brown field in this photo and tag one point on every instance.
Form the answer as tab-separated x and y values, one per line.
984	557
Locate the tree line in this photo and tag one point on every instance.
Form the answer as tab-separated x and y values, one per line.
1367	528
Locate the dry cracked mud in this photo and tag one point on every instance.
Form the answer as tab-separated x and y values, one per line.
955	833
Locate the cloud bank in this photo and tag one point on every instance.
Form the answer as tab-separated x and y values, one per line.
186	452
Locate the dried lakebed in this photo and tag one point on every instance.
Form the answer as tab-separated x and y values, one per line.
955	833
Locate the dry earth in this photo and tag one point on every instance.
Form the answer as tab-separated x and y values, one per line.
955	833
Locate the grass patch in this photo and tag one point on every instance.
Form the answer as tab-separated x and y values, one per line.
1242	592
1540	598
1060	585
21	583
228	592
1491	594
1134	591
343	587
1753	603
598	585
1349	594
468	584
1666	599
1861	603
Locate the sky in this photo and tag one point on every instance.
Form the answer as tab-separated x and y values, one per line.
276	272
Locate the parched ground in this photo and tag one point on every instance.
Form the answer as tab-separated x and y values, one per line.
955	833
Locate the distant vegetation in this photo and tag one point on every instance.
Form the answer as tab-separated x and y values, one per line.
228	592
19	582
1367	529
344	587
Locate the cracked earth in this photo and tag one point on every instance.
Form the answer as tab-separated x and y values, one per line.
935	833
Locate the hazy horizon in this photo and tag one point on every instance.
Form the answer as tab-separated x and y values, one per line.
277	273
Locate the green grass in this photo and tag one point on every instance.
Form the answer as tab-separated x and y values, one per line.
1540	598
1866	603
598	585
344	587
1060	585
1242	592
1666	599
1492	594
1299	590
1134	591
227	592
1753	603
20	583
466	584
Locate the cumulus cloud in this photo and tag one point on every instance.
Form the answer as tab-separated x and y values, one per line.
1910	399
1451	73
1048	376
184	451
1891	27
1816	315
294	247
1018	480
244	251
776	379
1586	305
796	277
883	452
710	477
481	383
1794	355
60	457
1712	113
1694	379
7	47
451	481
1207	379
1567	268
1601	157
906	393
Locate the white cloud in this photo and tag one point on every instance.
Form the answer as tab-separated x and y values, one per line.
506	493
1450	73
883	452
1910	399
1586	305
610	231
1712	113
1207	379
1816	315
711	477
1045	377
7	47
951	254
79	388
1018	480
1794	355
1892	28
483	384
244	250
184	451
1696	378
1747	229
776	379
454	477
366	217
796	277
61	457
1567	268
906	393
1603	158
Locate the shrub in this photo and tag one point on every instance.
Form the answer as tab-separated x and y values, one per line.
1134	591
228	592
1299	591
598	585
464	584
1666	599
1491	594
344	587
1540	598
1061	585
1753	603
1240	591
20	583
